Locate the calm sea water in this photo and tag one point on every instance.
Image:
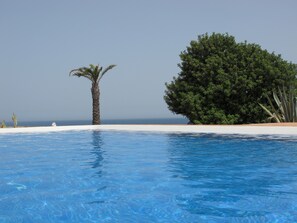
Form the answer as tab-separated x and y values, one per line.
110	176
104	121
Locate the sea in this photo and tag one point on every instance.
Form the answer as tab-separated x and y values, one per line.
103	121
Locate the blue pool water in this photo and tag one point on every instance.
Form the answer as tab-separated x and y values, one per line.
109	176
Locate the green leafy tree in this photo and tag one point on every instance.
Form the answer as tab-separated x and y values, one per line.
223	82
94	74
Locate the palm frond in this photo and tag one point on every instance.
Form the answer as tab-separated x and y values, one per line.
96	72
81	72
106	69
93	72
92	66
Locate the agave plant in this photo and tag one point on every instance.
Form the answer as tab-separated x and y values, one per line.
286	106
15	120
3	125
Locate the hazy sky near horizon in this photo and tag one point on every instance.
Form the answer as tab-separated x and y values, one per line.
41	41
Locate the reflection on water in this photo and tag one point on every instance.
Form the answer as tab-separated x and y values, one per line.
225	175
115	176
97	151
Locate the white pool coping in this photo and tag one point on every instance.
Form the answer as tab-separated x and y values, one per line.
216	129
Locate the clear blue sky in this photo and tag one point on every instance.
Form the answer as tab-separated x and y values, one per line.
41	41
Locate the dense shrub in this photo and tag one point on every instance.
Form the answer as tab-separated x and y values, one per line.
223	82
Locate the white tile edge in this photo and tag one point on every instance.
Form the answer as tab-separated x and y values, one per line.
216	129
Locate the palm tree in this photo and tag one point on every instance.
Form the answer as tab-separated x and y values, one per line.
94	74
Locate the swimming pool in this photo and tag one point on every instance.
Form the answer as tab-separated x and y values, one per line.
113	176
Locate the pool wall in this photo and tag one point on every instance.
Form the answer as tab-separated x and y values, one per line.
215	129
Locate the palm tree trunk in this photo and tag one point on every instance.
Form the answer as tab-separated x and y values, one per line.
96	104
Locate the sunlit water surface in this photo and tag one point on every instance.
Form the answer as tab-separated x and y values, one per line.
110	176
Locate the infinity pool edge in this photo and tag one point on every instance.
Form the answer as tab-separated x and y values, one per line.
215	129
